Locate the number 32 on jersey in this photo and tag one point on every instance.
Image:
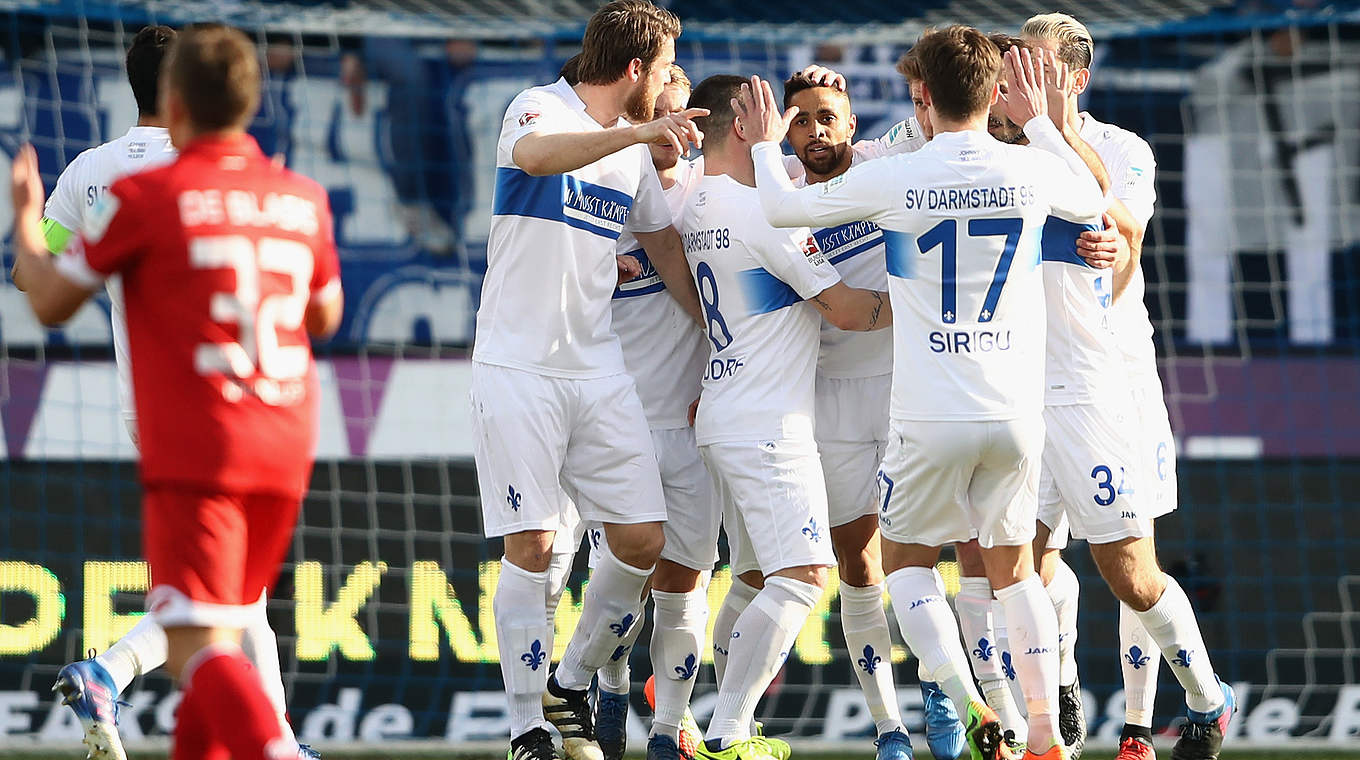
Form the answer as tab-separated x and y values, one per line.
260	307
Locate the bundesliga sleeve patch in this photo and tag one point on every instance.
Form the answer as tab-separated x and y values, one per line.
97	222
525	119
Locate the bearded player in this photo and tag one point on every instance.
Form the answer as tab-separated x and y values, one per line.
227	265
854	383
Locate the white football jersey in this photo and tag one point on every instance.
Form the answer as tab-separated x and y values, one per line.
856	250
753	279
550	269
1084	364
962	220
1132	168
84	181
663	348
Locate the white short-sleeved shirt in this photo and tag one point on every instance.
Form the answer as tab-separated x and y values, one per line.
753	279
550	255
856	250
663	348
1132	168
1084	364
79	188
962	221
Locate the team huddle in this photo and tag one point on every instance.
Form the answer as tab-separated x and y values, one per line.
852	356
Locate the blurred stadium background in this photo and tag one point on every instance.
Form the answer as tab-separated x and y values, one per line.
1252	109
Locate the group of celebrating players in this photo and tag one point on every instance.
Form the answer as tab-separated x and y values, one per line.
1015	402
666	348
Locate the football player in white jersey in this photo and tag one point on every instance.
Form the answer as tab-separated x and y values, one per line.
665	352
962	219
1155	614
92	687
762	290
854	383
553	407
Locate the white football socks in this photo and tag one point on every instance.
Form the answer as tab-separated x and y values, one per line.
974	607
761	639
614	674
1171	623
1140	660
928	625
559	572
1065	593
678	628
524	639
141	650
1033	630
739	595
865	624
262	648
609	611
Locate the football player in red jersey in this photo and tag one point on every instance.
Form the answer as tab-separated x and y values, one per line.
228	265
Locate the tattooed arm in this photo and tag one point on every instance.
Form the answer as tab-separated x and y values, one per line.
854	308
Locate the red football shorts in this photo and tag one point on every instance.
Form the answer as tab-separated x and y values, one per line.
213	556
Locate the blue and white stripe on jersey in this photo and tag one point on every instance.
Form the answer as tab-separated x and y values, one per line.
847	240
764	292
644	284
1060	240
901	254
561	198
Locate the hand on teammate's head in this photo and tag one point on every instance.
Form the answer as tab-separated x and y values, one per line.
823	77
1058	84
760	113
675	129
1026	97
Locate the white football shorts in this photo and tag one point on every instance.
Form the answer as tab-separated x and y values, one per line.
852	436
535	436
693	518
945	482
1159	447
774	492
1093	481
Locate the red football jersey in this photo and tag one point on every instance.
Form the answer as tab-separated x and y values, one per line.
219	254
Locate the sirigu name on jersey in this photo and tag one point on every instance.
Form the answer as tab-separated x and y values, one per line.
954	199
243	209
969	341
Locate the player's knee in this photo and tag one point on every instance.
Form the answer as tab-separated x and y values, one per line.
858	558
673	578
531	550
969	555
1046	563
637	545
811	574
752	578
183	642
1130	569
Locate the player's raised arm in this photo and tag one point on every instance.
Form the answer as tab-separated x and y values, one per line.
544	153
846	198
53	295
1072	189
